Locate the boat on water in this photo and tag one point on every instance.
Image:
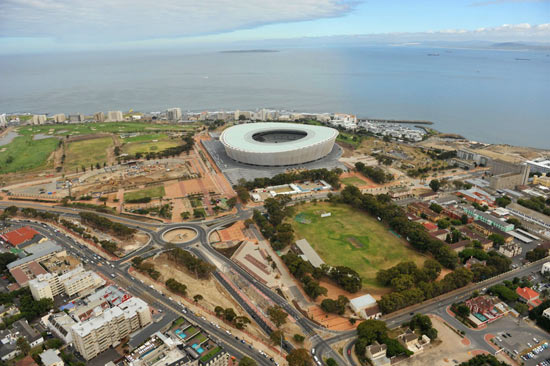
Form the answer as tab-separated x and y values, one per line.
433	54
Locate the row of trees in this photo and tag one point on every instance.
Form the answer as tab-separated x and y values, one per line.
332	177
537	203
305	273
104	224
108	245
148	268
422	291
279	234
195	265
176	286
376	174
381	206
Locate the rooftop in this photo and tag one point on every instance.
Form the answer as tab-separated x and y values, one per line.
19	236
310	253
50	357
362	302
39	251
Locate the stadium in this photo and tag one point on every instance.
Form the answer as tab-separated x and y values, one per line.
277	144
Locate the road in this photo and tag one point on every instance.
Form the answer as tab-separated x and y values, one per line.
200	246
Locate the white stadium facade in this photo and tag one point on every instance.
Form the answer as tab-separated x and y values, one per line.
277	144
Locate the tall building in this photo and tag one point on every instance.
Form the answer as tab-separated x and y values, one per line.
173	114
38	119
109	326
59	118
114	116
75	118
99	117
71	283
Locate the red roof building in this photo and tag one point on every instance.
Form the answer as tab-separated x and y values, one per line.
19	236
480	304
430	226
529	296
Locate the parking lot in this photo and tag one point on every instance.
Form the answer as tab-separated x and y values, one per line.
518	337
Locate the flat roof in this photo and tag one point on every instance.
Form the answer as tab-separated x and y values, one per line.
309	253
239	137
363	301
39	251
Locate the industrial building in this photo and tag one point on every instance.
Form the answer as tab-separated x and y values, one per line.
277	144
539	165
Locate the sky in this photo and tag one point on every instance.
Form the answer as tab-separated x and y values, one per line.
72	25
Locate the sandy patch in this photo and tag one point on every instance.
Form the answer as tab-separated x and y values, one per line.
178	236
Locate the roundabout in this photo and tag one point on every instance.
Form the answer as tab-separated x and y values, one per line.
180	235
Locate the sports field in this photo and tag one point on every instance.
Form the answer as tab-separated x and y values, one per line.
351	238
87	152
353	181
148	143
153	192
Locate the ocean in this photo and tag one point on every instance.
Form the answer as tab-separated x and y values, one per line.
485	95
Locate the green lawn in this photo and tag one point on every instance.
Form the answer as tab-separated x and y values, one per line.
24	154
112	127
351	238
153	192
353	181
145	143
87	152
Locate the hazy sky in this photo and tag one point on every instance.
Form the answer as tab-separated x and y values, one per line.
40	25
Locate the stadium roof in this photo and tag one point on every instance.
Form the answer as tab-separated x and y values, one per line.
239	137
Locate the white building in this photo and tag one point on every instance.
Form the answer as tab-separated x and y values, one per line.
545	268
3	120
539	165
71	283
546	313
173	114
38	119
114	116
365	306
108	327
59	118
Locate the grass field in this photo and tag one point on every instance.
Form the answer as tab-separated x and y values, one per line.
87	152
153	192
352	238
353	181
24	154
91	128
145	143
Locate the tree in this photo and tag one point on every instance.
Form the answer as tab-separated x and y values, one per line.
298	338
435	185
277	315
247	361
331	362
299	357
521	308
23	346
371	330
463	310
276	337
536	254
197	297
503	201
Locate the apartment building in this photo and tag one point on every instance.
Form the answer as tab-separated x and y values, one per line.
109	326
114	116
71	283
